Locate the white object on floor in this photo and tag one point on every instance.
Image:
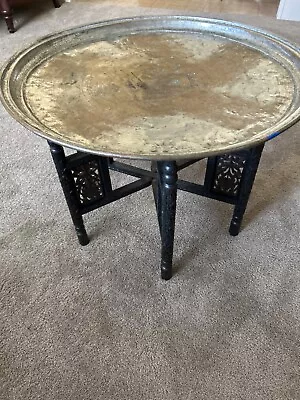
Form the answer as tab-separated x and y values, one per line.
289	9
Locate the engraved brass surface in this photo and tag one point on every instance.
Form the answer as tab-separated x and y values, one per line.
158	93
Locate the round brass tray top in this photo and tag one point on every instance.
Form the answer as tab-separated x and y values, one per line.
165	87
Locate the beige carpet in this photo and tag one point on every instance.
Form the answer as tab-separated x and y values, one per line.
97	322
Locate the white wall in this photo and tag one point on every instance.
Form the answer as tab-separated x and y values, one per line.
289	9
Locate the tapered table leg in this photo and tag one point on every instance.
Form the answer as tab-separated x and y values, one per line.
6	11
246	184
156	193
56	3
69	190
166	211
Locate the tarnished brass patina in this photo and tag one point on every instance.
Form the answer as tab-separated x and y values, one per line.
156	88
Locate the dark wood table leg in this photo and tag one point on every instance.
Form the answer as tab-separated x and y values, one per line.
69	189
156	192
56	3
166	210
6	11
246	184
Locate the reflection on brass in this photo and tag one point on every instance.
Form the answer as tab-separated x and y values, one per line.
154	94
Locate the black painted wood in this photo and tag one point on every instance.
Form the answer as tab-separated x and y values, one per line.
156	192
7	13
118	194
245	187
201	190
105	177
167	187
70	191
130	170
86	183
